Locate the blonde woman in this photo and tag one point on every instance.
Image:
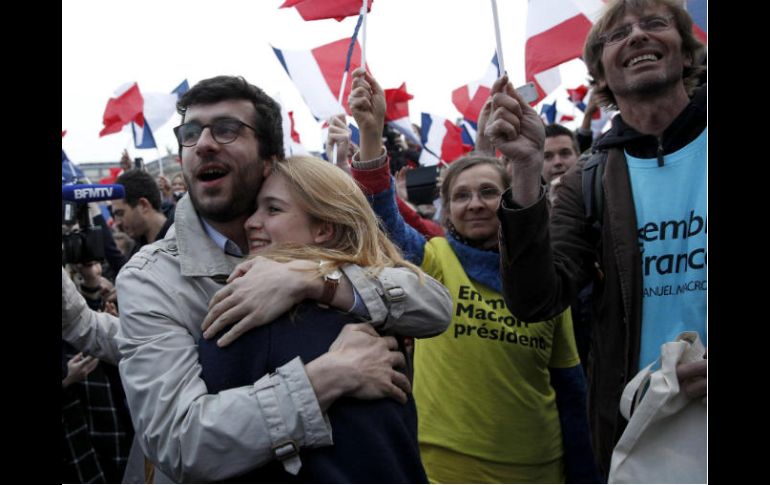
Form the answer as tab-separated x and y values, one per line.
311	210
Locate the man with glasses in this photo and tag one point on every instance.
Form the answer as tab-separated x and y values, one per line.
638	229
231	131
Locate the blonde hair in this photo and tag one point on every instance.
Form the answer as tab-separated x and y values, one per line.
329	195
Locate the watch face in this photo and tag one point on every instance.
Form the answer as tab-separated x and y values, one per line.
334	275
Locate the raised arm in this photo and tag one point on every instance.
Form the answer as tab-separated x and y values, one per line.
517	131
542	259
370	164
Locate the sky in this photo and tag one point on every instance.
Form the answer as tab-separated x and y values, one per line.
434	46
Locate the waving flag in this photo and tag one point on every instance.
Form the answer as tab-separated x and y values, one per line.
548	113
397	113
318	75
70	173
326	9
469	129
291	142
112	177
158	109
442	141
697	10
125	107
469	99
556	32
577	95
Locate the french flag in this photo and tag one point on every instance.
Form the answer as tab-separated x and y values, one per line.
469	99
697	10
550	114
397	112
556	32
326	9
317	73
291	142
126	106
442	141
470	129
158	109
576	95
70	173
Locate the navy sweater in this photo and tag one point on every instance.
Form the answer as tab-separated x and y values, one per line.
375	441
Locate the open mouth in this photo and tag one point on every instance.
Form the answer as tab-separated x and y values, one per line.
643	58
211	172
257	244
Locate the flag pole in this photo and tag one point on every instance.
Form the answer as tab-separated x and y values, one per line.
339	100
345	74
501	65
363	34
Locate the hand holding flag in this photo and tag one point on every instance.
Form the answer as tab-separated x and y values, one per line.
514	127
516	130
483	144
338	136
367	103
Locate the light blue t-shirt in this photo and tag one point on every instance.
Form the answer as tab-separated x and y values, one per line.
672	221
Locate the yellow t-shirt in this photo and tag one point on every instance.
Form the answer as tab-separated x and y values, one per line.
482	387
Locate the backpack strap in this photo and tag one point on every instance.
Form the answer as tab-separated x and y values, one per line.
593	191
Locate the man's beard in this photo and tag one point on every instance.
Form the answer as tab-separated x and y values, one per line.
242	202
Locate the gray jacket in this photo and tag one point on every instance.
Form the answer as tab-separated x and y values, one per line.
192	435
85	329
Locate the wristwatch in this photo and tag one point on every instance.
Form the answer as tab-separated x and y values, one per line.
331	282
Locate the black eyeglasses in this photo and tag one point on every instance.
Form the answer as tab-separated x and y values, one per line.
654	23
224	130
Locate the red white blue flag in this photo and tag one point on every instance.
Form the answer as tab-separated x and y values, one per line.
317	74
442	141
326	9
126	106
556	32
469	99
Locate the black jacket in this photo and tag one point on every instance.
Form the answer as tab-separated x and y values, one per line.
543	265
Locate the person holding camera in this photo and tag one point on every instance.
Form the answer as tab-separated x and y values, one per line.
517	384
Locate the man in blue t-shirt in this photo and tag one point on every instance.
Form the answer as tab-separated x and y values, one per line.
645	249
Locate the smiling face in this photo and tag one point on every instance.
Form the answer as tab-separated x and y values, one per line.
473	199
279	218
646	62
223	179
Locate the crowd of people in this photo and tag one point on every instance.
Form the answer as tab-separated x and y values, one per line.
264	318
